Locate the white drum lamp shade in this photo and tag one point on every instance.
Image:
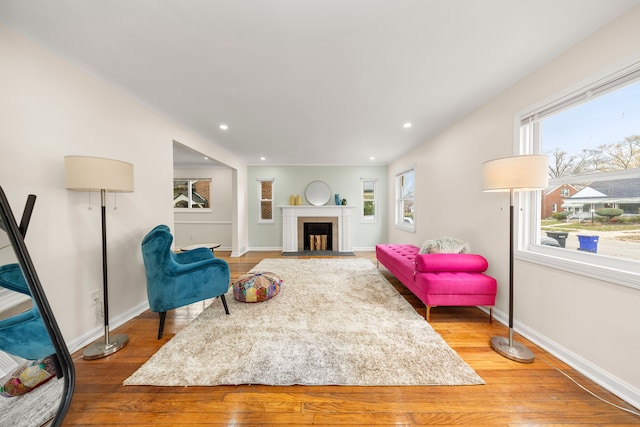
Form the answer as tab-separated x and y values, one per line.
96	173
519	173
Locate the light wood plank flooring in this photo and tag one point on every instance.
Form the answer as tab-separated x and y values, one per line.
514	395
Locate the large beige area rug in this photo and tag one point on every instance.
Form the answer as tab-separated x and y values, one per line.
334	322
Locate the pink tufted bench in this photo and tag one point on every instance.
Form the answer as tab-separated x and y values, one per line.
441	279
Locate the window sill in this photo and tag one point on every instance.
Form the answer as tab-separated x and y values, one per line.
601	267
410	229
192	210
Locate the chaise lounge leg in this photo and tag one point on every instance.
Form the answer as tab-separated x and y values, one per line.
428	313
163	315
490	314
224	303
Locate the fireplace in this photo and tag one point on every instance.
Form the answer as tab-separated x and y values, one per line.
295	216
321	226
317	236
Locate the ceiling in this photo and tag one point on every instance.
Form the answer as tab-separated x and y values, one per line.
310	82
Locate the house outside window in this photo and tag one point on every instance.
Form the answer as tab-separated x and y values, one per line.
405	200
191	193
369	200
265	200
592	138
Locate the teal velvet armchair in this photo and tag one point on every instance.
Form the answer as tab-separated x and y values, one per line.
23	335
177	279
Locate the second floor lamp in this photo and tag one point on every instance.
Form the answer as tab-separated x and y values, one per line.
103	175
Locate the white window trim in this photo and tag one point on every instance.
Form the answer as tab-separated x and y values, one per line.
527	205
260	200
364	219
398	222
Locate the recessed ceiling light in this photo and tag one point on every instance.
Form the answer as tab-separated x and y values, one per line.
223	126
372	158
263	158
407	125
206	158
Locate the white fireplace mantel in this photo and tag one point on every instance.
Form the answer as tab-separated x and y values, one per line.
290	215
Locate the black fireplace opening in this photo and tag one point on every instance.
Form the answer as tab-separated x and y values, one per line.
322	232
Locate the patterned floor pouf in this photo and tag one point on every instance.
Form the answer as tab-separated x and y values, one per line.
256	287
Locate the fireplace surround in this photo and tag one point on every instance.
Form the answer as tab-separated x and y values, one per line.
293	218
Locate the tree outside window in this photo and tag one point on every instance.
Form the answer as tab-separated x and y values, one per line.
191	193
369	199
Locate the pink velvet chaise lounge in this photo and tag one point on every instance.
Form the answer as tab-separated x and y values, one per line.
440	279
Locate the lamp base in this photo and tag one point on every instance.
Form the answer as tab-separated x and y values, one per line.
515	351
100	349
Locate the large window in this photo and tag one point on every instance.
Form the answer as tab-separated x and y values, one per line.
369	200
265	200
405	200
191	193
588	219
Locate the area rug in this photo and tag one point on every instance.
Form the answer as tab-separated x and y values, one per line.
34	408
334	322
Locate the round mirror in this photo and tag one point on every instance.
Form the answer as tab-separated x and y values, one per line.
317	193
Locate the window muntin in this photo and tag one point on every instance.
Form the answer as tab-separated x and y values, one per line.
405	200
593	141
265	200
191	193
369	200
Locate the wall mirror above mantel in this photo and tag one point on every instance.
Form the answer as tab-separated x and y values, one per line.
37	375
317	193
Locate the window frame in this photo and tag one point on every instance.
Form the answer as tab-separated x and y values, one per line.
399	216
191	182
620	271
374	218
262	200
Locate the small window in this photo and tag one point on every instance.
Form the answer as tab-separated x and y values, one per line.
191	193
369	200
554	208
405	194
265	200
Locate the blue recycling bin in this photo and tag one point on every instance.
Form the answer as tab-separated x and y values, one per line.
588	243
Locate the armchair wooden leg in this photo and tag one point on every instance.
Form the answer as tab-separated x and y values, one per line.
428	313
224	303
163	315
490	314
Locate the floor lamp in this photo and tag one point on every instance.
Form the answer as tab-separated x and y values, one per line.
519	173
104	175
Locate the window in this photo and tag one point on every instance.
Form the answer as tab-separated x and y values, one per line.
191	193
592	138
369	200
405	193
265	200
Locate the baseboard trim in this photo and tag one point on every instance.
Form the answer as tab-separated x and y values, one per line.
98	332
620	388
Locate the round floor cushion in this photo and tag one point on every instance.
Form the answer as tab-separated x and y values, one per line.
256	287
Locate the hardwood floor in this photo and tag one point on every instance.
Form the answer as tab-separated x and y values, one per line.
514	394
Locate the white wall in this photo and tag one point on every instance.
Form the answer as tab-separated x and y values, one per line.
49	109
207	225
591	323
344	180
